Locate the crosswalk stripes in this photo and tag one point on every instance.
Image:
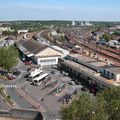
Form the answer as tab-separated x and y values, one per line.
10	86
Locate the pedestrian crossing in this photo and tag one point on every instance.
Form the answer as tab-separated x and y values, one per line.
10	86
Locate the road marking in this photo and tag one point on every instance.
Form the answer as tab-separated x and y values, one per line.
10	86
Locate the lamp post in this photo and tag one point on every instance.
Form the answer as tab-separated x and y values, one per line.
93	115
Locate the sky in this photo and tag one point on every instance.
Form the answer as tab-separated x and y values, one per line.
82	10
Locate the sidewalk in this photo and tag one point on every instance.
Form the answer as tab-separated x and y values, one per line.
33	102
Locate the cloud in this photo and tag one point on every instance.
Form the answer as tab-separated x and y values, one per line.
34	7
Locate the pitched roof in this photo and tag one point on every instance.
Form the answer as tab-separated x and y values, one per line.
32	46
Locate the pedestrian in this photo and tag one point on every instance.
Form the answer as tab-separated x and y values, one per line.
42	99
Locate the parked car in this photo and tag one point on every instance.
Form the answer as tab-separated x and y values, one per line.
53	72
28	69
17	73
28	62
11	77
92	90
65	74
71	83
54	66
84	89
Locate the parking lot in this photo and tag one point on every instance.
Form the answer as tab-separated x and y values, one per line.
47	96
50	96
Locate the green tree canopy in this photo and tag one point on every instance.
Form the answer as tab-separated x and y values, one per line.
112	99
105	106
84	108
107	37
8	57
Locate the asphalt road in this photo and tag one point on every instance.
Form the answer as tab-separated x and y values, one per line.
11	87
21	102
3	105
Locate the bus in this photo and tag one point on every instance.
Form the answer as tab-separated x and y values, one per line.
37	81
34	74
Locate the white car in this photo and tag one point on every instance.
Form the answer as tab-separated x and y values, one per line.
71	83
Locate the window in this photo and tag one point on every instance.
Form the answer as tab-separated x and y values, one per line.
112	75
48	60
108	74
104	72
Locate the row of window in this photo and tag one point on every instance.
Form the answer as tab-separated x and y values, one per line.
108	74
48	60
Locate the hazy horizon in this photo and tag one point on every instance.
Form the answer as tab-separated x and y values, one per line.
68	10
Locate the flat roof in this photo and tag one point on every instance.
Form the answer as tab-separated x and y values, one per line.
10	118
89	60
59	49
115	70
91	73
82	67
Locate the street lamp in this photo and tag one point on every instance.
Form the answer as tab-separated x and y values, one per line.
26	91
93	113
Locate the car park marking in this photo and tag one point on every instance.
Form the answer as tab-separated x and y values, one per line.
10	86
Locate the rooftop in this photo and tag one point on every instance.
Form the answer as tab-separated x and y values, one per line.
30	45
59	49
89	62
115	70
90	73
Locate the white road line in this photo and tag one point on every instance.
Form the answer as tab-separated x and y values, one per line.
10	86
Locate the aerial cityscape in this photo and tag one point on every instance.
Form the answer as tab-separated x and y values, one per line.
59	60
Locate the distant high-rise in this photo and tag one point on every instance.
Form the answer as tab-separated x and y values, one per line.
82	24
86	23
73	23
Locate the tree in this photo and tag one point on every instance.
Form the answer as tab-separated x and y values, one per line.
62	39
106	106
107	37
8	57
80	109
100	112
112	99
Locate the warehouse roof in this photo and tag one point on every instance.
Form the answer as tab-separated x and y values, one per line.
30	46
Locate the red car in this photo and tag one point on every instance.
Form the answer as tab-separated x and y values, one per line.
92	91
10	78
28	62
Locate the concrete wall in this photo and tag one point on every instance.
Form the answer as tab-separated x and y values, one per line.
117	77
22	114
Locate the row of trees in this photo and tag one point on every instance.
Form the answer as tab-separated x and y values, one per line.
8	57
14	33
106	106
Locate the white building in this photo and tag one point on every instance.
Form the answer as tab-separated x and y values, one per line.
112	73
5	29
73	23
54	33
6	43
87	23
82	24
39	53
22	31
63	51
